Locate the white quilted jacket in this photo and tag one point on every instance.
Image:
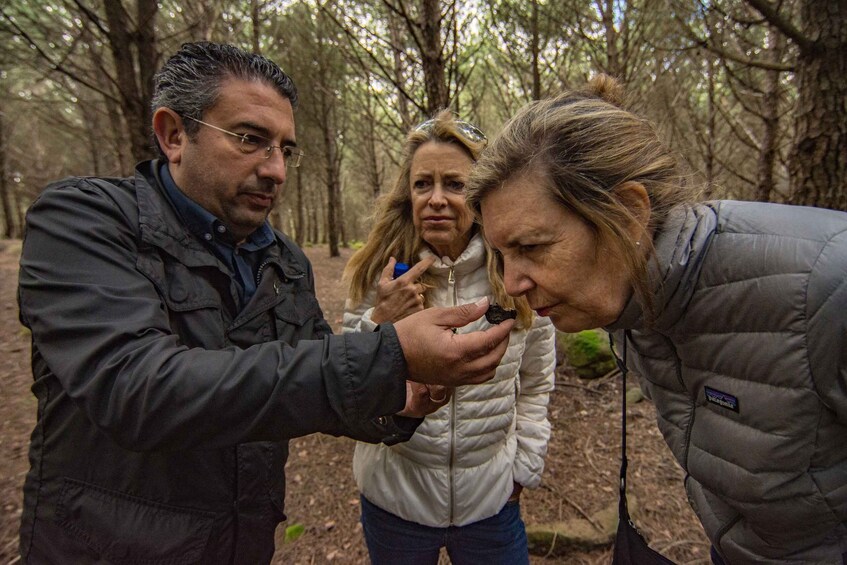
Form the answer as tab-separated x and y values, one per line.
460	465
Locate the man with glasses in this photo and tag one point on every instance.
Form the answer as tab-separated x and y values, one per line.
178	344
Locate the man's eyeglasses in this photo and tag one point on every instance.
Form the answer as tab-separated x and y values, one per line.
255	143
470	131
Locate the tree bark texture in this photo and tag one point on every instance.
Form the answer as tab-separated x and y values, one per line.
770	118
432	56
333	183
614	67
399	70
134	77
9	224
299	221
818	160
535	48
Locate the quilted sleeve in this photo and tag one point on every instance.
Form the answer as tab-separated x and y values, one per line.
827	315
537	374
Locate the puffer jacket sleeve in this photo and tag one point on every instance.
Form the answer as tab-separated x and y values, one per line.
99	325
827	304
357	318
537	378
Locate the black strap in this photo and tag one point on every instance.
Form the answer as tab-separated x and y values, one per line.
630	546
621	363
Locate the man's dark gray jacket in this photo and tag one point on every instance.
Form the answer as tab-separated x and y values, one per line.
164	412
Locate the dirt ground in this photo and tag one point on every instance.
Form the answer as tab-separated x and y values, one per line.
580	476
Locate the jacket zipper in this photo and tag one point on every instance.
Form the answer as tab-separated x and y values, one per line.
692	402
260	271
722	532
451	283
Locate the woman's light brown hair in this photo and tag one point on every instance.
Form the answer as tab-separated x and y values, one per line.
588	145
394	234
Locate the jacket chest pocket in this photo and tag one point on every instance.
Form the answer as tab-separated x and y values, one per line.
281	310
192	301
297	316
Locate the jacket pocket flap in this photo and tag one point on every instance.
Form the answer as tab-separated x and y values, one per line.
297	308
127	529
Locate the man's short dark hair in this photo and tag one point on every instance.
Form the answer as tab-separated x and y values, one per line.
189	82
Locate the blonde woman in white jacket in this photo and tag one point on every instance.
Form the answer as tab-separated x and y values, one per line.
457	482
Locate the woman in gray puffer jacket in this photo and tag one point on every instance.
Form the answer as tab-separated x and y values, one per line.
733	314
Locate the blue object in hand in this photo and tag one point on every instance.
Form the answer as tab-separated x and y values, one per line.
400	269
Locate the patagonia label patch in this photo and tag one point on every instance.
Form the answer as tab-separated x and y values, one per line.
722	399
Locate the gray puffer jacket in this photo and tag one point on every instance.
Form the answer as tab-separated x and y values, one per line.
747	366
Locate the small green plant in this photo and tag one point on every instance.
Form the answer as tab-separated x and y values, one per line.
587	352
293	532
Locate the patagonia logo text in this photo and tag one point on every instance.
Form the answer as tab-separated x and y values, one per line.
722	399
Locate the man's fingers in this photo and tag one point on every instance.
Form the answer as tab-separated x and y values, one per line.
494	337
462	315
484	368
481	353
435	355
483	350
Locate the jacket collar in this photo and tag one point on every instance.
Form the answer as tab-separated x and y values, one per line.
471	259
681	244
161	227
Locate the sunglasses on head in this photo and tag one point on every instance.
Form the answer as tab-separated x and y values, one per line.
468	130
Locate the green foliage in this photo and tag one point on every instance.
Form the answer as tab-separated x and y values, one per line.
358	66
587	352
581	347
293	533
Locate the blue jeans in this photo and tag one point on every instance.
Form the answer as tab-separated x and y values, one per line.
499	540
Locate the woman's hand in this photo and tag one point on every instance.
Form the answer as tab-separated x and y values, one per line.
397	298
517	489
424	399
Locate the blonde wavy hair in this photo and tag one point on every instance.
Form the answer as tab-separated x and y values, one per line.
588	144
394	234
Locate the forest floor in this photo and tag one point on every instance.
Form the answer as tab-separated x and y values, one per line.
580	477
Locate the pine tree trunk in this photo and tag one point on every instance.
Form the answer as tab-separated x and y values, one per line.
333	182
5	200
818	160
432	57
299	220
770	117
134	49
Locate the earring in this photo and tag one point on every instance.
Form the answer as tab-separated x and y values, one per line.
638	242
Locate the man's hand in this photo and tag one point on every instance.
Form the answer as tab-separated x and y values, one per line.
424	399
400	297
435	355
